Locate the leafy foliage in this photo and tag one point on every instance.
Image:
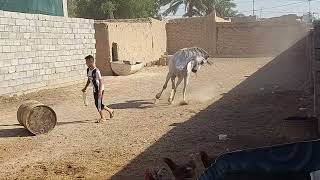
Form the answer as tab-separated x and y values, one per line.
223	8
109	9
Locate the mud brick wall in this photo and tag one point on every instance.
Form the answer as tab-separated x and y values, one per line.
233	39
256	38
141	40
190	32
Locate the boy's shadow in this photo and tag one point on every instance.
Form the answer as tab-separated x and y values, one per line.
133	104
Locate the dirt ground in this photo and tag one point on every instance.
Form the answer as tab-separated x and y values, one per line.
223	99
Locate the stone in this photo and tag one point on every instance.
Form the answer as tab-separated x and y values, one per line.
162	61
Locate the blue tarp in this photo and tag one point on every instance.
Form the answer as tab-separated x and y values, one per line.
48	7
302	157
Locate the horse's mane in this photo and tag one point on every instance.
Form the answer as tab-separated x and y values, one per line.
195	51
182	57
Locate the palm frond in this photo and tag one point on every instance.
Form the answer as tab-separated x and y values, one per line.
164	2
173	8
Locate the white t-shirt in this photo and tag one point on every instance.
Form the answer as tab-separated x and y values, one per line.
96	83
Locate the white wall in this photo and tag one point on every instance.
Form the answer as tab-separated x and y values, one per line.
37	51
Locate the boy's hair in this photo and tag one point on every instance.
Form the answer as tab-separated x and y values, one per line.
89	57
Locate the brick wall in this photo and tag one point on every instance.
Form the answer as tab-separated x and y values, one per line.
255	38
38	51
137	39
189	32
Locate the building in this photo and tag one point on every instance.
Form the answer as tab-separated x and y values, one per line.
136	40
307	18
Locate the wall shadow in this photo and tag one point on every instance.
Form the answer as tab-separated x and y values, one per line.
251	114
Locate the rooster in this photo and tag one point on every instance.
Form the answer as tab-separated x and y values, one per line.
156	174
206	160
181	172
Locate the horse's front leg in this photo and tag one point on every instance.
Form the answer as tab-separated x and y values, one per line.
186	82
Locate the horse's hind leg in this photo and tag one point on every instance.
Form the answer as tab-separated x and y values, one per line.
173	93
173	79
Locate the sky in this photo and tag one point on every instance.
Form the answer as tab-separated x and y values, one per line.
271	8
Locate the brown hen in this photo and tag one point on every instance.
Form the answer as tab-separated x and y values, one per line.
181	172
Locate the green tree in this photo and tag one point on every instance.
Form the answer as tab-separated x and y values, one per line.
223	8
192	7
137	8
71	8
109	9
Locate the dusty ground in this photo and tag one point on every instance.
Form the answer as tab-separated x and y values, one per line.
141	133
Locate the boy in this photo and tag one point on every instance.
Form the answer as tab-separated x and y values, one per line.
94	77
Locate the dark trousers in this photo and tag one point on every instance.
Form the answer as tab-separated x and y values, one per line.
98	101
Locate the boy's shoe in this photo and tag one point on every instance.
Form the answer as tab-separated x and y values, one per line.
100	120
112	114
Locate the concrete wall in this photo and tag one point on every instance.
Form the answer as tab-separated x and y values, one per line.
189	32
256	38
138	40
314	50
38	51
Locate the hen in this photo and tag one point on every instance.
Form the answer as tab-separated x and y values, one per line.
154	175
206	159
181	172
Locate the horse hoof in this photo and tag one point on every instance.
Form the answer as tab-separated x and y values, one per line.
158	96
183	103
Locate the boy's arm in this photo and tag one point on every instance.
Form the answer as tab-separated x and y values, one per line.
99	77
85	87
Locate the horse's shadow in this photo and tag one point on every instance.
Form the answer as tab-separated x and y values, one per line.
133	104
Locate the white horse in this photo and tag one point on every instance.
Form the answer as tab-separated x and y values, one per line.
181	65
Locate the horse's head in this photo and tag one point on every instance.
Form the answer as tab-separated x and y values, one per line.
198	62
